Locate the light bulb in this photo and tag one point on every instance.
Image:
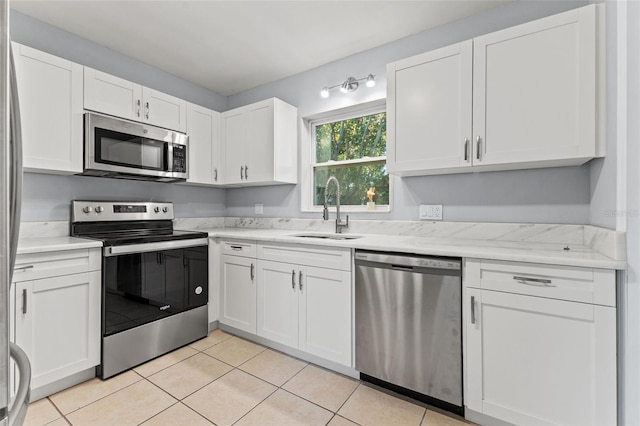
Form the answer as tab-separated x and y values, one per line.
324	92
371	81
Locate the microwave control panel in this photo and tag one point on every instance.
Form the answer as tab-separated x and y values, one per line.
179	158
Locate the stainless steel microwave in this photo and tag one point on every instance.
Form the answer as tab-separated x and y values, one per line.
119	148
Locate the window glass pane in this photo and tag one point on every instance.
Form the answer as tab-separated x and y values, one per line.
354	180
352	139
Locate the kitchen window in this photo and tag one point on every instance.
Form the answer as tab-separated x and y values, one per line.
350	144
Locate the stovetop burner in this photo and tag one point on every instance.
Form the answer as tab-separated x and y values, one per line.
121	223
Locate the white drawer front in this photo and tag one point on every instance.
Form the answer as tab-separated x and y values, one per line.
51	264
239	248
331	258
570	283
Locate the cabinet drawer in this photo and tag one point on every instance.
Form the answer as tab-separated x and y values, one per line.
239	248
34	266
332	258
586	285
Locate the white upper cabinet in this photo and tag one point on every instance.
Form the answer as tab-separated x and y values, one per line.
259	143
121	98
203	128
50	96
534	91
524	97
429	110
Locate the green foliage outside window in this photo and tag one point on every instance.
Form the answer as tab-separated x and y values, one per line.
359	145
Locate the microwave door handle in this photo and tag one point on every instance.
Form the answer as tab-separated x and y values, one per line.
169	156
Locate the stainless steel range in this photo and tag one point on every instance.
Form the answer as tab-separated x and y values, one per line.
154	280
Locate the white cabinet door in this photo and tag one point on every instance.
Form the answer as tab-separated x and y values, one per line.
234	136
278	302
532	360
429	110
164	110
325	313
239	293
204	151
57	323
534	90
116	96
112	95
259	143
260	152
50	95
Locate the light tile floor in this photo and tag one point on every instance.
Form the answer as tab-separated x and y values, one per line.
226	380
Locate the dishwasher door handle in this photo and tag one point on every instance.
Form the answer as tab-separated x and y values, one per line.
402	268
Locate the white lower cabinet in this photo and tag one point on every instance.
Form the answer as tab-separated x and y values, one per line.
296	296
238	285
534	354
303	306
306	308
56	313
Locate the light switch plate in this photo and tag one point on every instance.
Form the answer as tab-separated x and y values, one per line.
259	209
430	212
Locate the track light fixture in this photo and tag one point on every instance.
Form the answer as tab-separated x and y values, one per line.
351	84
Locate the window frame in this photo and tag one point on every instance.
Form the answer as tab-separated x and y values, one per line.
308	154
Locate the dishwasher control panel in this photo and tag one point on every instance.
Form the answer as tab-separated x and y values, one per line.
408	260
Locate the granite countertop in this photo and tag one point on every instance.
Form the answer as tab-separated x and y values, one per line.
549	253
47	244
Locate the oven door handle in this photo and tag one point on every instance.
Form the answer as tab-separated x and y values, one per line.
147	247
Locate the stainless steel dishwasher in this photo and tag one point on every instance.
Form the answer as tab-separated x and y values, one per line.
409	325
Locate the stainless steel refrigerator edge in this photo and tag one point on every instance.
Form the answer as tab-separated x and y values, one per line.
10	200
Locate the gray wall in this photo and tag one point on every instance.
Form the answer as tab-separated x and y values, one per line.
47	197
558	195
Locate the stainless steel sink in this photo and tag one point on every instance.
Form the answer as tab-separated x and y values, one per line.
328	236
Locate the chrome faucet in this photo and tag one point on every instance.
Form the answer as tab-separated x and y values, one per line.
325	213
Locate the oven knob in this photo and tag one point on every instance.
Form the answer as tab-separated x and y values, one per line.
156	209
87	209
99	209
198	290
165	209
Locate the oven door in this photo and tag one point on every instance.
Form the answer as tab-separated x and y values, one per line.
114	146
140	286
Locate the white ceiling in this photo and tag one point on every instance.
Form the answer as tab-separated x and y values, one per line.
234	45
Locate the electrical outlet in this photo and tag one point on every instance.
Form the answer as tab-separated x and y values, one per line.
259	209
430	212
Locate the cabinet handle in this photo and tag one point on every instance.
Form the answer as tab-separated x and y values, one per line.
215	176
479	144
246	172
241	170
473	310
138	109
534	281
300	280
466	149
24	301
236	248
252	271
293	279
146	105
22	268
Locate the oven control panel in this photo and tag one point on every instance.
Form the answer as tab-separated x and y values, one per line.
103	211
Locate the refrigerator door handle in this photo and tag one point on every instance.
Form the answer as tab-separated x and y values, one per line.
15	200
18	409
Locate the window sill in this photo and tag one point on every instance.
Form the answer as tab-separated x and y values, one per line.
348	209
